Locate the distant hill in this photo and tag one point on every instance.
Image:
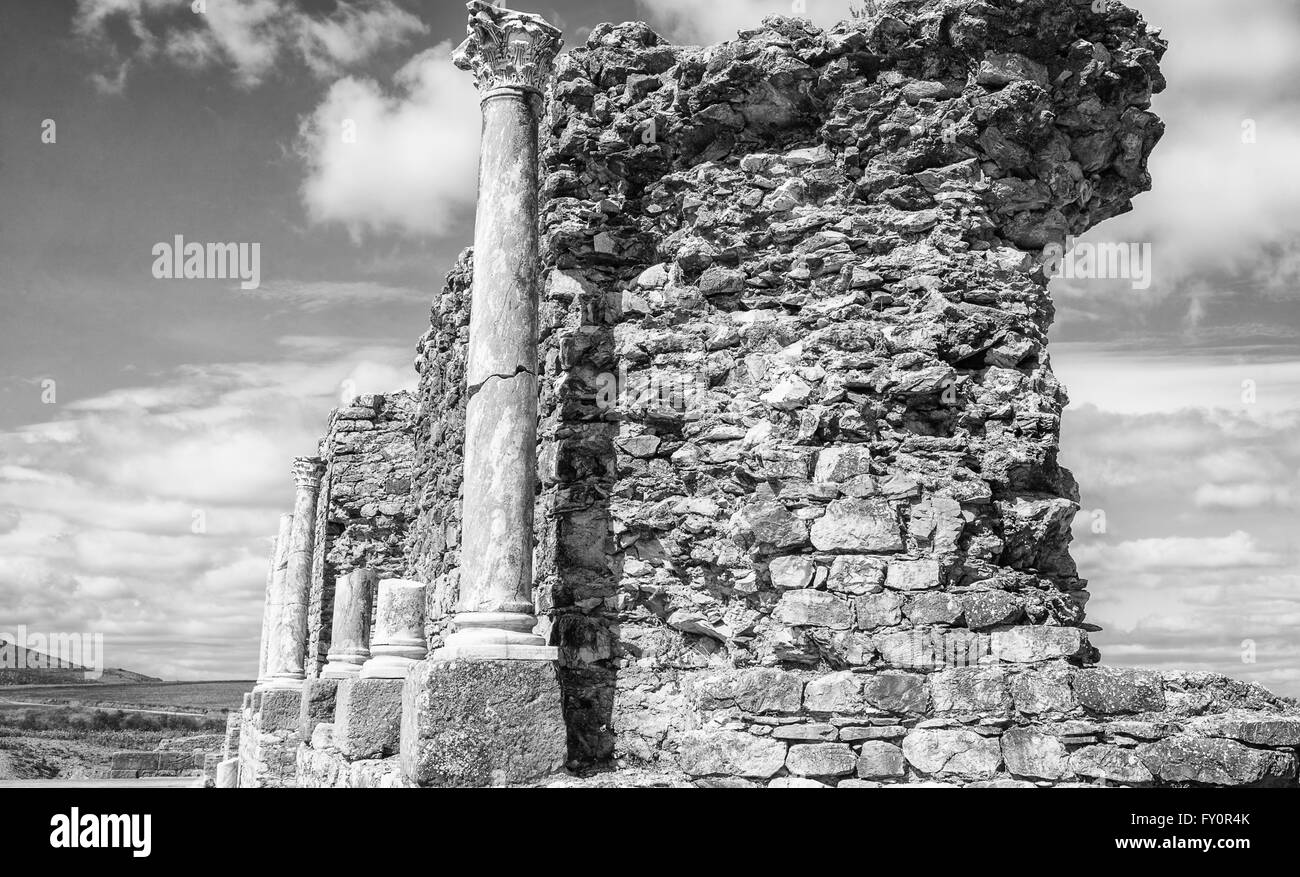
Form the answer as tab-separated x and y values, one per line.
23	666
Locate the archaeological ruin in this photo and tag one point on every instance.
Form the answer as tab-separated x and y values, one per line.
733	460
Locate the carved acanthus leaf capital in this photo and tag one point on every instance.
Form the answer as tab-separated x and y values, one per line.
307	471
508	49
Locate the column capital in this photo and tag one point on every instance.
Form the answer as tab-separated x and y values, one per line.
307	471
508	50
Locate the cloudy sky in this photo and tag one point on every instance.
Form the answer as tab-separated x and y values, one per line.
135	411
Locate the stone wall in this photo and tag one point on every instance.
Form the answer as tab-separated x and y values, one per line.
434	541
800	412
365	504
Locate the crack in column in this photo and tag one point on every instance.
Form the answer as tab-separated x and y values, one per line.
472	389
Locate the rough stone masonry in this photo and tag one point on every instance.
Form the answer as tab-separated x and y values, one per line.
799	516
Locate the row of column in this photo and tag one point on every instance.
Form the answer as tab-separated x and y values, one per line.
399	620
512	57
288	586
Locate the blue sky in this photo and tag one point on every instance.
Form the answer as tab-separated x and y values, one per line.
177	401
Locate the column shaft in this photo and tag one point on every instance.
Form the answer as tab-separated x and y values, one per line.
286	661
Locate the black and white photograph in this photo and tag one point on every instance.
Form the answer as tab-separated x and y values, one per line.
653	394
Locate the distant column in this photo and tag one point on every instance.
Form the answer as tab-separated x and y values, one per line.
286	661
350	632
275	580
512	56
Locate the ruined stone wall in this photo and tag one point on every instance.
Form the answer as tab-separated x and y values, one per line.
365	504
800	515
434	540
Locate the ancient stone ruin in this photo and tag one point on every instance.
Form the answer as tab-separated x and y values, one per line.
739	465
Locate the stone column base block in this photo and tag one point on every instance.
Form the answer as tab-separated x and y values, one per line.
368	717
228	774
482	723
386	667
454	651
280	709
318	697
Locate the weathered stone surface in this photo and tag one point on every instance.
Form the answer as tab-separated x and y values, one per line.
835	693
1112	690
280	710
482	723
796	783
880	760
879	610
760	691
912	575
990	608
1217	762
368	716
1044	690
730	753
1257	729
1025	645
933	607
316	705
1110	763
1031	753
956	752
816	731
857	525
792	572
971	690
856	574
814	608
821	760
902	693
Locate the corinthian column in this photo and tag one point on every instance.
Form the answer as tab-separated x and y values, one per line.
512	56
274	589
286	667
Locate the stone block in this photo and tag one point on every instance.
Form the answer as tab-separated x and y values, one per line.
228	774
1113	690
1111	763
368	717
971	690
1030	644
1217	762
280	709
821	760
894	692
880	760
952	751
482	723
759	691
813	732
720	752
1031	753
851	525
805	608
319	698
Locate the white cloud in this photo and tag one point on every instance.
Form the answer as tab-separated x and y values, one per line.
1173	553
249	36
701	23
413	167
96	506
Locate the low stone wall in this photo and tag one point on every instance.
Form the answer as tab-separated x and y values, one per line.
1016	725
